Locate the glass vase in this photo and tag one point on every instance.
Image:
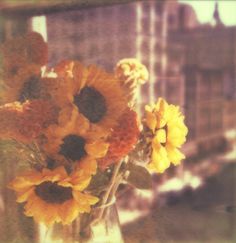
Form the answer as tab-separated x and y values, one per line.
106	230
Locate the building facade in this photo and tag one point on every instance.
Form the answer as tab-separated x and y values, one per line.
209	73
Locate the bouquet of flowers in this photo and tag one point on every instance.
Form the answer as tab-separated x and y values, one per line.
80	135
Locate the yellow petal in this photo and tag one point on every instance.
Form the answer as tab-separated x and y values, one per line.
151	120
53	175
161	122
91	199
20	184
171	112
156	144
160	135
176	137
97	149
85	200
68	211
161	113
159	160
22	197
82	184
162	104
88	165
50	215
174	155
65	183
36	208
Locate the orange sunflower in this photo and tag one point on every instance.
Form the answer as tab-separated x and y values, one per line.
20	52
95	93
74	142
29	85
22	59
53	196
23	85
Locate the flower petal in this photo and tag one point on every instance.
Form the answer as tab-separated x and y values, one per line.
97	149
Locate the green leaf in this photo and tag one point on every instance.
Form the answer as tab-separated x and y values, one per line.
139	177
99	182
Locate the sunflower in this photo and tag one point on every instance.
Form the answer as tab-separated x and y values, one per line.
50	88
122	139
73	141
22	59
95	93
22	85
168	132
26	121
52	196
22	50
29	85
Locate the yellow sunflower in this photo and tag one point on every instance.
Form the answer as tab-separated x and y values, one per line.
74	142
168	133
96	94
53	196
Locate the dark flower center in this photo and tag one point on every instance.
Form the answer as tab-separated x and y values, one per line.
51	163
73	147
166	130
91	104
30	89
51	192
14	70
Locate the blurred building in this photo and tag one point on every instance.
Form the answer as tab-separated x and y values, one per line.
209	72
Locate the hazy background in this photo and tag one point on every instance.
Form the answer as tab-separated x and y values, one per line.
189	48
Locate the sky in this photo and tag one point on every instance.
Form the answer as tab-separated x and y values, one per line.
205	8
